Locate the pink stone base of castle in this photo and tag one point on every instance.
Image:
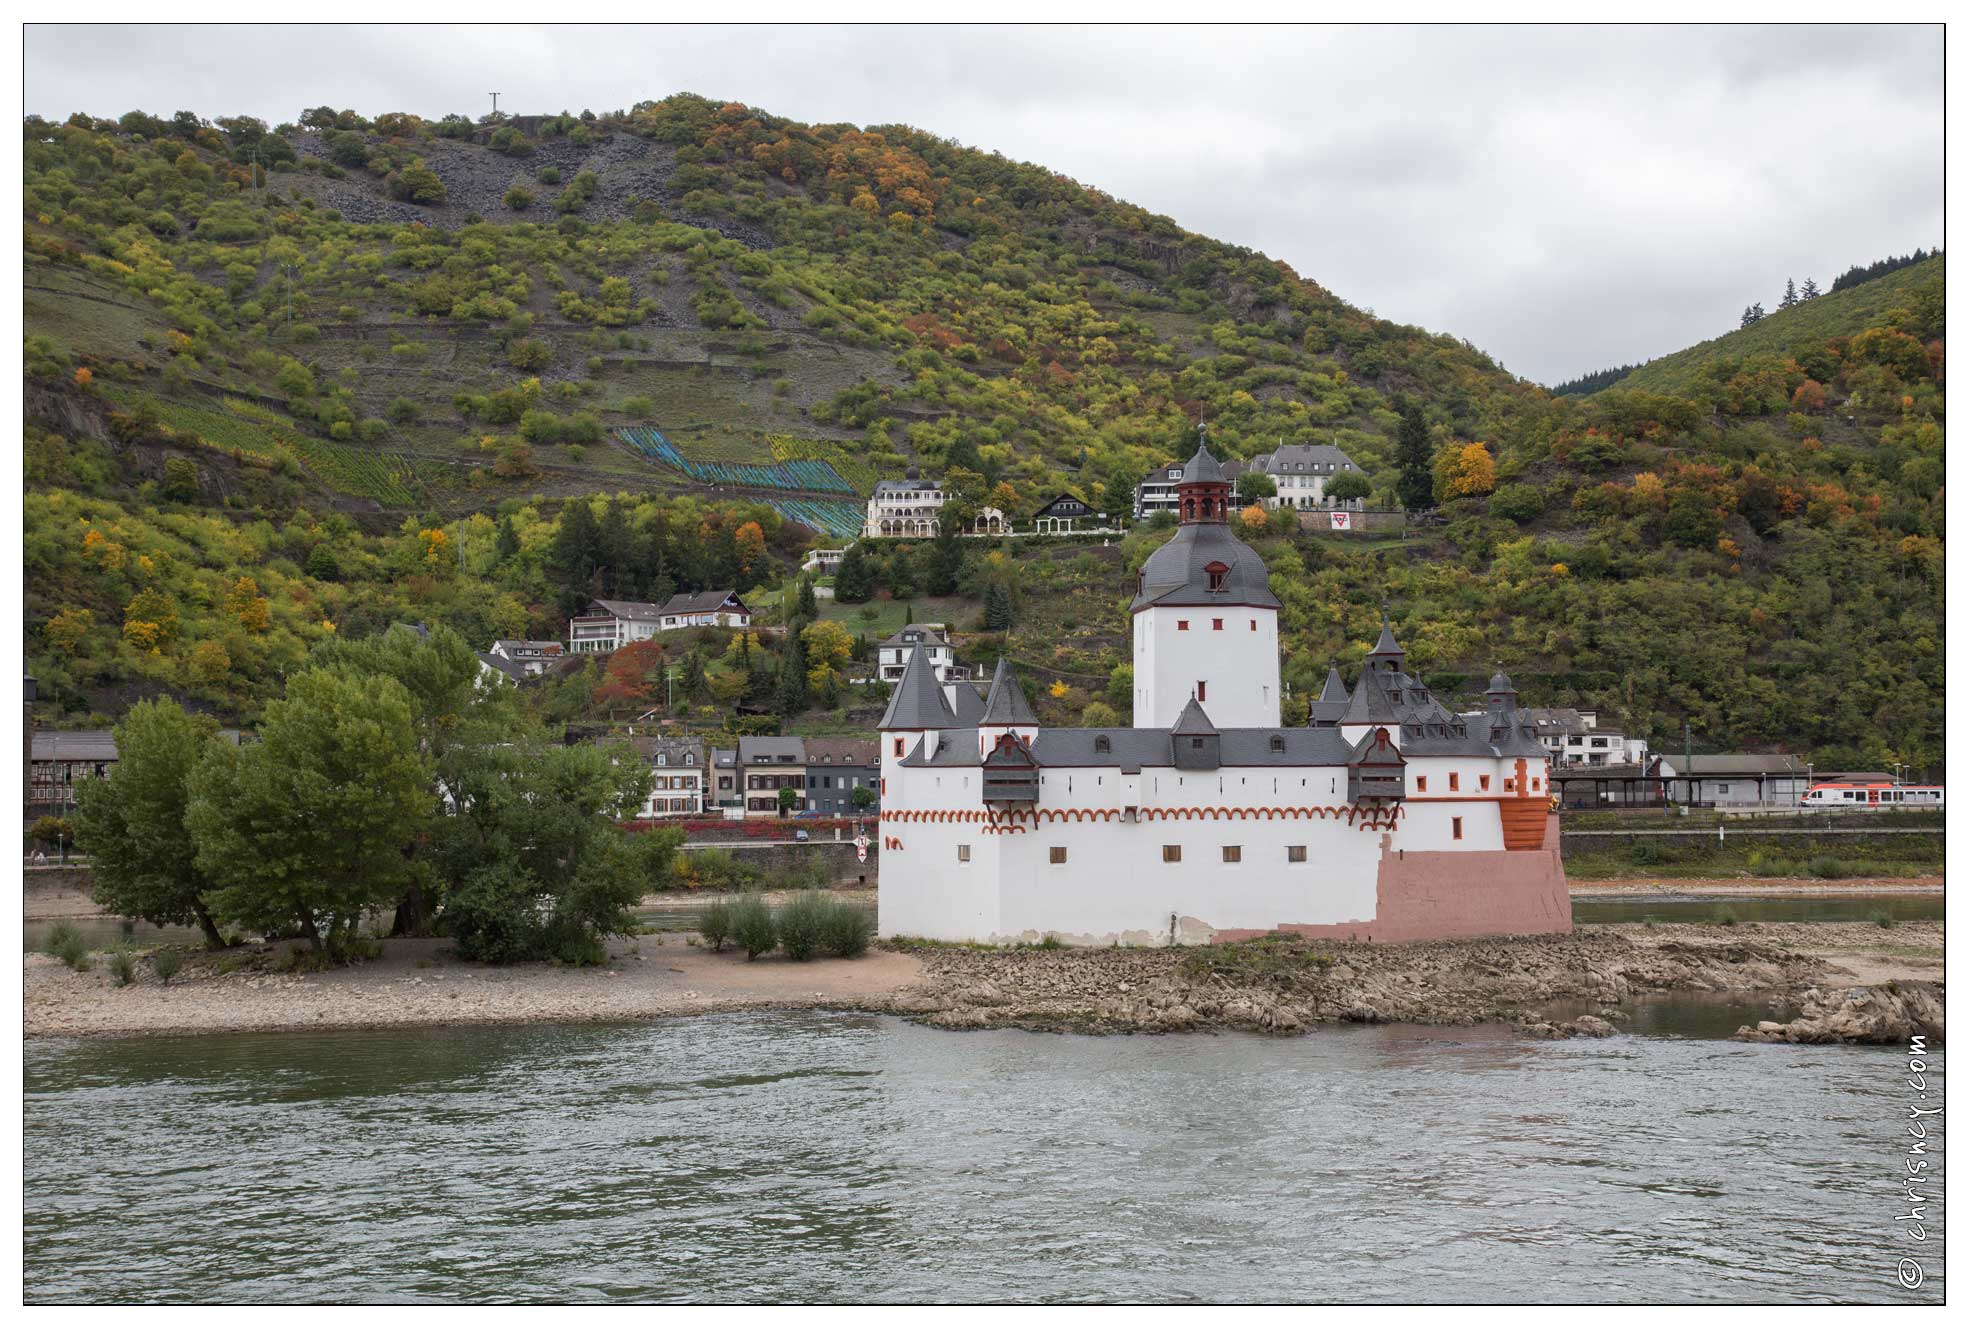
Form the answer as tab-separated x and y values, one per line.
1438	896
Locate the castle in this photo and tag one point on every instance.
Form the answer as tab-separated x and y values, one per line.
1386	817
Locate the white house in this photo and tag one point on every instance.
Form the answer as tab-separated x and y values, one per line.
912	507
609	625
677	785
1387	819
1300	471
893	654
530	657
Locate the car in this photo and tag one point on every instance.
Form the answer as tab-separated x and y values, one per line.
800	835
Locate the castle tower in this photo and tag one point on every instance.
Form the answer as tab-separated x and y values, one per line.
1006	711
1206	621
917	710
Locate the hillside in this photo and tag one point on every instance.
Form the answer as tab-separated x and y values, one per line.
365	366
1800	332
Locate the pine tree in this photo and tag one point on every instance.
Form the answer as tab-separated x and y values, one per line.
1790	294
1809	291
997	608
1416	487
908	614
574	553
1751	314
791	697
696	686
808	609
854	580
946	560
507	542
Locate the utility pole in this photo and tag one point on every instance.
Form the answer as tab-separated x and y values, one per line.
1688	766
495	104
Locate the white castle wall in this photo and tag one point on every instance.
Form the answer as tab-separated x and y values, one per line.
1238	662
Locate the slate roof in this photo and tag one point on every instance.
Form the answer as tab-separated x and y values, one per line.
634	611
511	668
1177	573
1007	703
1202	468
1193	720
1301	458
929	636
698	602
1335	687
507	645
724	757
74	745
1133	749
918	701
967	704
843	752
906	486
1733	763
769	749
685	752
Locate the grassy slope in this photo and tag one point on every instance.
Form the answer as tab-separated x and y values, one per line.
1791	331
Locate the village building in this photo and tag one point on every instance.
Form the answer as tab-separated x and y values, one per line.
892	656
768	764
725	795
911	508
1390	819
1732	779
1299	471
1066	515
836	768
1573	737
609	625
677	776
532	657
59	760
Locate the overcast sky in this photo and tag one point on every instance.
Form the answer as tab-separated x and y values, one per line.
1565	198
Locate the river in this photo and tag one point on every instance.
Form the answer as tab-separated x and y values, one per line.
840	1157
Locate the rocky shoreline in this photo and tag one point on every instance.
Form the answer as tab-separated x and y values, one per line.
1841	982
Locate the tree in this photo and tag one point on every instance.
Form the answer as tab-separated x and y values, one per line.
1416	488
1099	715
530	859
245	603
1254	485
180	480
631	678
150	620
1790	294
322	564
997	607
143	858
789	799
862	798
1253	516
529	354
1464	470
854	580
307	830
807	608
946	561
1809	291
67	629
790	695
828	648
751	545
1752	314
1347	486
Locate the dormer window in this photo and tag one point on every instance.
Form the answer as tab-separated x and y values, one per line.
1101	743
1217	572
1278	742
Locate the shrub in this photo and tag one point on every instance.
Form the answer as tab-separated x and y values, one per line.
848	930
65	944
716	925
122	966
802	923
753	925
1726	918
166	963
1882	918
1829	868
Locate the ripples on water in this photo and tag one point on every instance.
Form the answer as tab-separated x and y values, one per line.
850	1158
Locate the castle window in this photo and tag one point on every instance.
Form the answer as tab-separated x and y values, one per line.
1217	572
963	853
1421	783
1196	743
1182	625
1101	743
899	747
1483	782
1295	853
1172	853
1278	743
1254	625
1202	688
1456	828
1233	853
1216	625
1057	854
1452	781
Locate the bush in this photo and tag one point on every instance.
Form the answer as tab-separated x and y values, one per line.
166	963
803	923
122	966
1518	503
65	944
848	930
1830	869
1882	918
753	925
716	925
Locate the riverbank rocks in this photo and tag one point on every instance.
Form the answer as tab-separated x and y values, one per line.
1286	984
1890	1014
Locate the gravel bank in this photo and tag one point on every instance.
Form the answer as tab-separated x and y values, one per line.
1275	985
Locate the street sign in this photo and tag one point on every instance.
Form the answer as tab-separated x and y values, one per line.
861	848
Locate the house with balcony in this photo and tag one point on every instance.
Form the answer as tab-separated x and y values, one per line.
911	508
768	764
892	656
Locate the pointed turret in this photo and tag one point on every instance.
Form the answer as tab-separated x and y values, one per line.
918	701
1193	720
1006	703
1500	694
1336	687
1194	744
1387	654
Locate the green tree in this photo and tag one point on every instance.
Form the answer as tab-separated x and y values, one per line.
143	858
790	696
808	608
180	480
1347	486
529	855
789	799
946	562
1254	485
854	580
997	607
323	565
1417	486
307	830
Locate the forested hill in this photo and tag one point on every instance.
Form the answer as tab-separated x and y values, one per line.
362	364
1808	332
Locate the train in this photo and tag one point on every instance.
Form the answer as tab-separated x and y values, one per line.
1870	796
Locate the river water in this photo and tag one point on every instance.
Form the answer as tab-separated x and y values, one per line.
840	1157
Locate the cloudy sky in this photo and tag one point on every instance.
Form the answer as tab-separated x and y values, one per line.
1565	198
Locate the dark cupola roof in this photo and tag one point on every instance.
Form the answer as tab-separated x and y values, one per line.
1180	573
1204	469
918	701
1006	703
